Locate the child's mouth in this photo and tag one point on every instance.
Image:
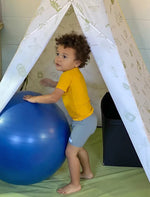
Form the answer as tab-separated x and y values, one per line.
58	65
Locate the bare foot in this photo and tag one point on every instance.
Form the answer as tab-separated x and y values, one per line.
68	189
86	176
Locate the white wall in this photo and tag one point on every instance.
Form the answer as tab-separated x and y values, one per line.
137	14
16	15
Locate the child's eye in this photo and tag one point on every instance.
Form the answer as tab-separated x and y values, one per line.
57	54
64	56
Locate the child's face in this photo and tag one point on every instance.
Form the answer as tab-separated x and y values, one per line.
66	59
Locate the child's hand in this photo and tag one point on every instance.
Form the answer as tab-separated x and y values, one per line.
29	98
45	82
48	82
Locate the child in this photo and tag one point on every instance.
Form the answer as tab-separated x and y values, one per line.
72	53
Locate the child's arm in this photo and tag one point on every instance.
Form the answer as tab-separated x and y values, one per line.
48	98
48	82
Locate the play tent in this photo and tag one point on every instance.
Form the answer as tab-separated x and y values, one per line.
114	51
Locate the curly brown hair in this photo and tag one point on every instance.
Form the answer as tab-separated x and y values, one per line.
78	43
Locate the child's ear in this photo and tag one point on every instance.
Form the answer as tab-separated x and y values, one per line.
77	63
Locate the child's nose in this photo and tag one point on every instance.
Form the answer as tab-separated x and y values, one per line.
58	58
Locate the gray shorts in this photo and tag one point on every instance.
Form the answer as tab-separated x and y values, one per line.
81	130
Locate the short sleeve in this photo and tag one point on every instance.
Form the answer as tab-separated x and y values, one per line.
64	81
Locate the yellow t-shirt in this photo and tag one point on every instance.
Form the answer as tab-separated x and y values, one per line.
75	98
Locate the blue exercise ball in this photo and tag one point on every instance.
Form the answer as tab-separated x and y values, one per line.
33	139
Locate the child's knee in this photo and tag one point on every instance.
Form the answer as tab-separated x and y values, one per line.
71	151
68	151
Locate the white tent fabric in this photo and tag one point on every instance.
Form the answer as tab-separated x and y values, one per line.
30	48
107	56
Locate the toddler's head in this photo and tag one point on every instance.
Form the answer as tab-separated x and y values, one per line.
78	43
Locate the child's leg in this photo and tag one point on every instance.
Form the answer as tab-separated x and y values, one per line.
81	130
85	164
74	168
